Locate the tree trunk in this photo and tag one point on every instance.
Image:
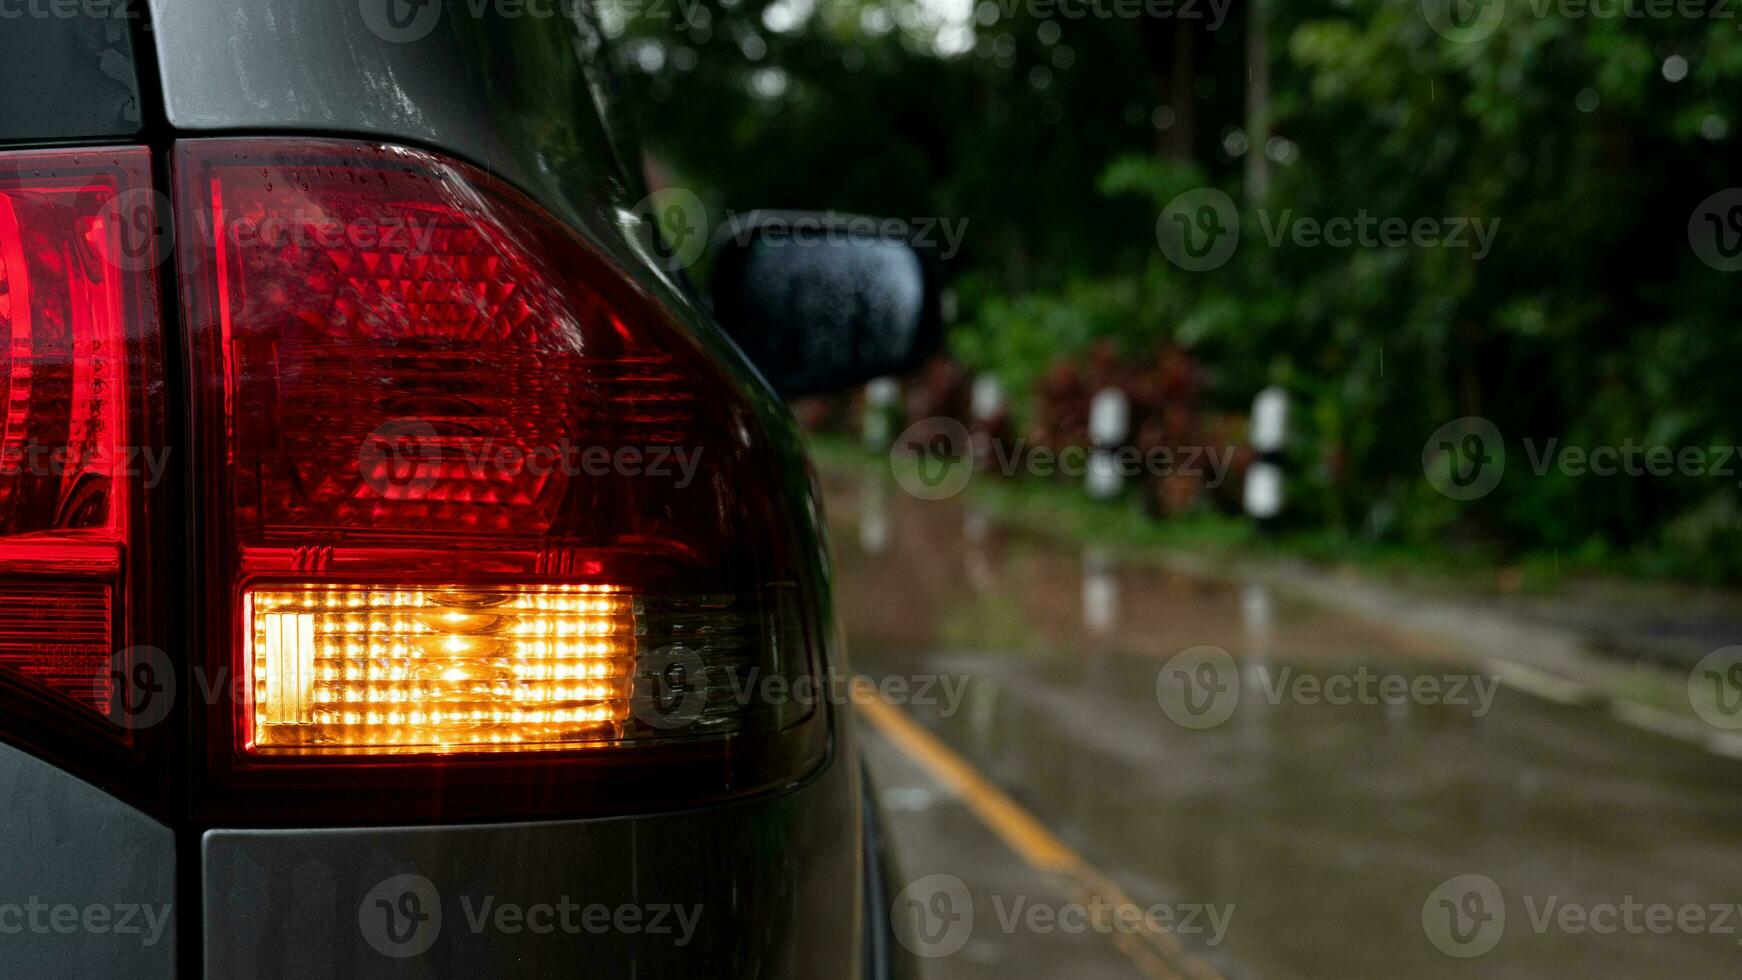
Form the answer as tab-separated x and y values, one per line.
1257	101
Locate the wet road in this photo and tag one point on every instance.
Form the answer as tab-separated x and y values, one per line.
1348	800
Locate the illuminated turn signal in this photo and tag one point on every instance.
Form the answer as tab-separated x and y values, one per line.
359	669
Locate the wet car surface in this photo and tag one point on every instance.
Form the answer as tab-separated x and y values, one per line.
1337	832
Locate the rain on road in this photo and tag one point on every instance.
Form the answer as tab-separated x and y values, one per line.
1320	830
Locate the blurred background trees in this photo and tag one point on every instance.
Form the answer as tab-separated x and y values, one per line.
1060	139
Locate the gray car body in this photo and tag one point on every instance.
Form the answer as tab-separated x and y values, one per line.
772	886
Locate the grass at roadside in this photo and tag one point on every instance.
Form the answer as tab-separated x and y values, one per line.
1233	546
1061	510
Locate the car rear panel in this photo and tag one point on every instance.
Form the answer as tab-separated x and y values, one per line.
770	885
71	846
526	98
71	77
754	889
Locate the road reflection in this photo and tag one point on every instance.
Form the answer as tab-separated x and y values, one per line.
1343	820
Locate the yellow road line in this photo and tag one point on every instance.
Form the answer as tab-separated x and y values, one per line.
1156	952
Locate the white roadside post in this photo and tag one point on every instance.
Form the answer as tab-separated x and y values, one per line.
1100	591
878	426
1109	427
986	405
874	530
1269	437
987	399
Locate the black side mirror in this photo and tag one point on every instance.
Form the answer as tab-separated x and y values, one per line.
821	302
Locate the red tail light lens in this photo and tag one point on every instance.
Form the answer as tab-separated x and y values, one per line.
479	512
81	445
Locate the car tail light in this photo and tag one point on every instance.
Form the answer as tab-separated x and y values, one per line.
486	530
81	378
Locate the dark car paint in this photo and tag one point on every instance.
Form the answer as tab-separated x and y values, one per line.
769	884
70	844
67	78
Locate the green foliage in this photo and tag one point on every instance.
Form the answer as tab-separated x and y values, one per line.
1018	337
1591	321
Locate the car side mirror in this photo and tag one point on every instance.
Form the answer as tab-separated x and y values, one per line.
822	302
